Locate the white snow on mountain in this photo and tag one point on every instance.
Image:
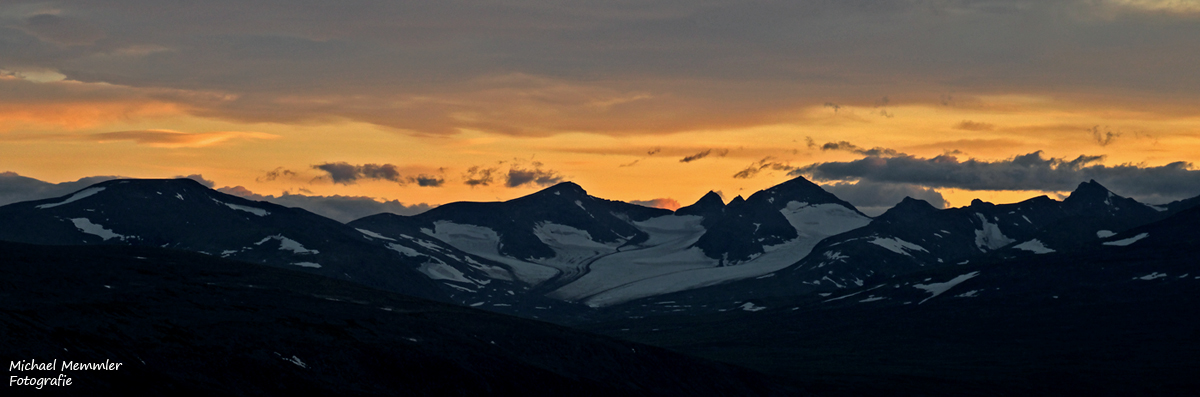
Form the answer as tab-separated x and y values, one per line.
1105	233
938	288
988	236
897	245
287	244
438	270
403	250
252	210
672	266
80	195
485	243
1034	246
571	246
1127	241
371	234
750	307
1151	276
88	227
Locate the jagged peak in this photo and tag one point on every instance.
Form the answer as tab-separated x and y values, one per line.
1090	189
710	202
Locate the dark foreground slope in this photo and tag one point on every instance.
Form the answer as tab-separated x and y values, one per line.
181	321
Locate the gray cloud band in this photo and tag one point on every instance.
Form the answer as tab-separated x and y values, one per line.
1025	172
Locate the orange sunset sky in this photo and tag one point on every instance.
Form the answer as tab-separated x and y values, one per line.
433	102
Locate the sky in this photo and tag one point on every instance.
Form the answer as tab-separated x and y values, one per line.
400	106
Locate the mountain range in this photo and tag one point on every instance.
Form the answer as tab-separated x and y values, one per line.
768	282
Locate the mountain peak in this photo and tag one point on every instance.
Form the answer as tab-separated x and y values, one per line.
1091	188
709	204
909	207
565	188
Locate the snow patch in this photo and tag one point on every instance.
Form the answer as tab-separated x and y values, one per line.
989	235
897	245
403	250
938	288
80	195
1151	276
1127	241
1034	246
371	234
288	244
750	307
485	242
308	264
872	298
252	210
1105	233
88	227
438	270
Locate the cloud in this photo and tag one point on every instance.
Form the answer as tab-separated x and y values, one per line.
765	164
519	176
425	180
969	125
198	178
61	30
15	188
664	203
873	198
1024	172
605	67
479	176
341	172
176	139
340	208
1103	138
703	154
348	174
278	172
850	147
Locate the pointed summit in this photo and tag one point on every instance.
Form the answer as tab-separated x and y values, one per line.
710	204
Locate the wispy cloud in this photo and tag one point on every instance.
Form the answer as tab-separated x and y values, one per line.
176	139
766	164
969	125
703	154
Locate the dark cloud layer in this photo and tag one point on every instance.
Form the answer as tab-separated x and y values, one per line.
340	208
540	68
873	198
1025	172
15	188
